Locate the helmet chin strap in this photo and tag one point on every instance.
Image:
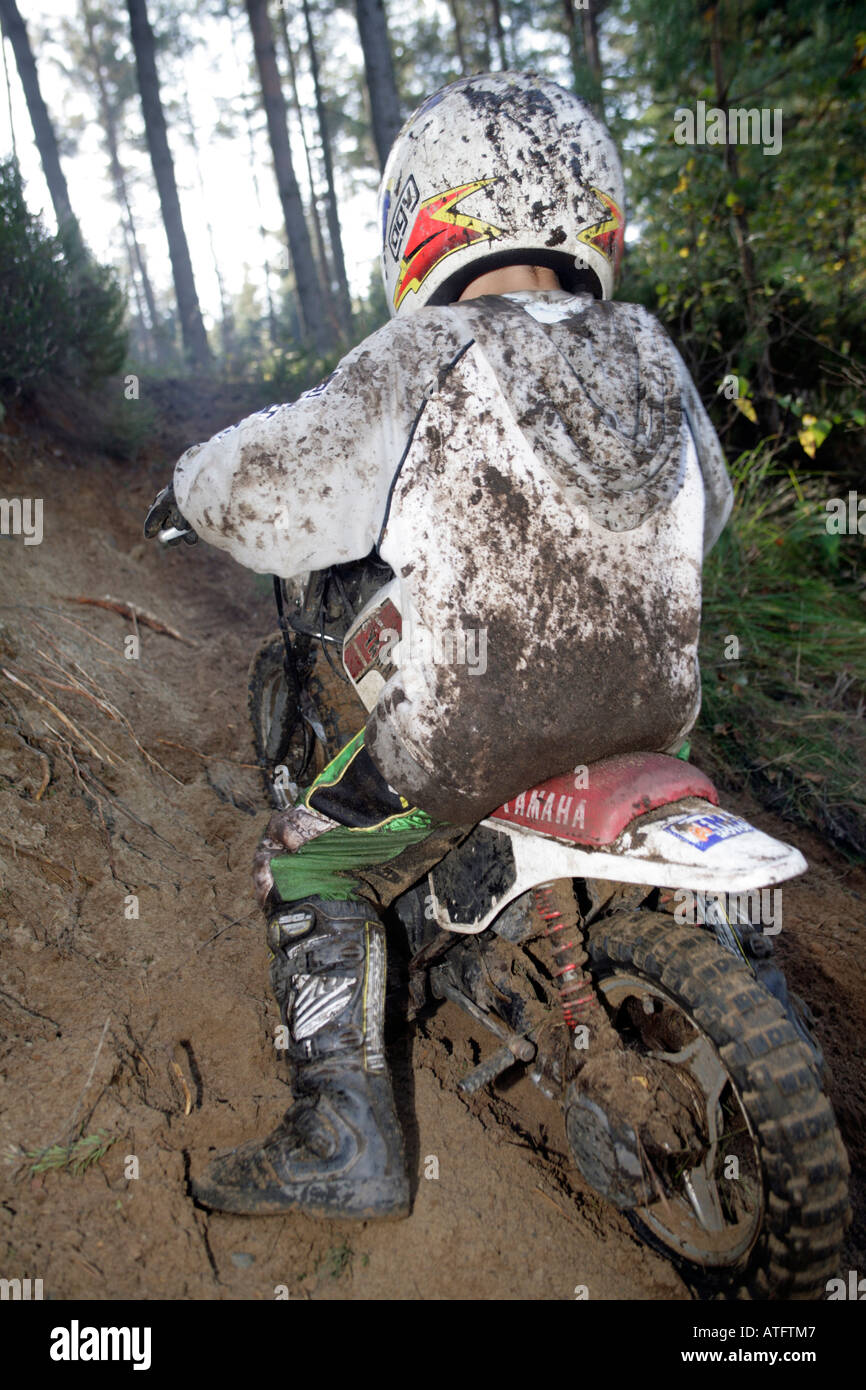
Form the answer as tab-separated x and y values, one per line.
509	279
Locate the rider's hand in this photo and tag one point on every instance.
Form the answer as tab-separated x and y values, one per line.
165	521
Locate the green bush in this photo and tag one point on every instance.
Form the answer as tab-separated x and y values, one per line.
60	312
785	707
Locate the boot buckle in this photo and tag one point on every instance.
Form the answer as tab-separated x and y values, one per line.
289	925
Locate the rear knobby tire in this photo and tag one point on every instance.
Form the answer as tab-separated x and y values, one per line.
803	1161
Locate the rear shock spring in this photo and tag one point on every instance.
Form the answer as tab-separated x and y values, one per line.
556	904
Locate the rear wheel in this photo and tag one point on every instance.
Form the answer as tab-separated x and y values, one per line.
757	1201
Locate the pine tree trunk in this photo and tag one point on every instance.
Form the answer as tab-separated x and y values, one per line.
584	51
569	23
246	100
315	216
192	328
379	69
499	33
14	29
486	59
592	55
225	307
142	335
589	18
755	310
459	45
108	117
309	291
344	299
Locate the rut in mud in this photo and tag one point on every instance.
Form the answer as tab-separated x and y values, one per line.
133	996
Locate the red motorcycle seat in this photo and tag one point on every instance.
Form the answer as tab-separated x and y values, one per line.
616	790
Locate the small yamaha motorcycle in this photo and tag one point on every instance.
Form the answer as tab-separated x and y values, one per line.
611	931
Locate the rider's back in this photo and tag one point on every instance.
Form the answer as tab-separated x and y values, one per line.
527	465
547	524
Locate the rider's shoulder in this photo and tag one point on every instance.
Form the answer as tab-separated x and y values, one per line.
433	332
433	321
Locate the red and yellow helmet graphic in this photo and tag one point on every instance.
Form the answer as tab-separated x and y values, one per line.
437	232
608	234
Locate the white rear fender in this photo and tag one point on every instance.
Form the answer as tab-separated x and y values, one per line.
690	844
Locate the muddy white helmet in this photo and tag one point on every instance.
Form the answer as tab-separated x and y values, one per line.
499	169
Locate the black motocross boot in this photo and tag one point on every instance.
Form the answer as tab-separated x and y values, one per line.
338	1151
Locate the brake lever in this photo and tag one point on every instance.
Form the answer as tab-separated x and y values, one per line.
172	535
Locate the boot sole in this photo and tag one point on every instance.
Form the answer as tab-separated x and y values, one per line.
372	1199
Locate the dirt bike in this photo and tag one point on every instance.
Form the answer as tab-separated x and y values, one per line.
652	1015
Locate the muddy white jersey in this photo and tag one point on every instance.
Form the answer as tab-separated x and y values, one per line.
540	474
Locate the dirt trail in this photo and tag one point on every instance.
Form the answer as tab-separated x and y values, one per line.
154	1030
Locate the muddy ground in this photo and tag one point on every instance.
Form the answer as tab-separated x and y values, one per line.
126	787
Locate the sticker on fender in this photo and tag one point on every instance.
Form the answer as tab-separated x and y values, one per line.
702	832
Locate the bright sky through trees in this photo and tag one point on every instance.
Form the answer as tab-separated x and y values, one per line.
211	72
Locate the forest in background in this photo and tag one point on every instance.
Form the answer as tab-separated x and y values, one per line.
752	257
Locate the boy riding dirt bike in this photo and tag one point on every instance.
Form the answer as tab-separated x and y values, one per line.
534	464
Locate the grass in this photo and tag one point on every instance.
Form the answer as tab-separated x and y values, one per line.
337	1261
76	1157
789	712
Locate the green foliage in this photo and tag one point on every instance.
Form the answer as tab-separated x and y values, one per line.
788	712
61	313
94	331
31	288
754	261
778	580
126	429
264	345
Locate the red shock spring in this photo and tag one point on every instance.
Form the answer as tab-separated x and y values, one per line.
556	905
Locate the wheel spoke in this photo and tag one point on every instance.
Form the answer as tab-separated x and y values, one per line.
703	1194
700	1060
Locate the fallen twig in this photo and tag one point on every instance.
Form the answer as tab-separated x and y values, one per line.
133	612
94	781
78	689
235	923
187	1106
104	706
68	753
86	1264
82	628
549	1199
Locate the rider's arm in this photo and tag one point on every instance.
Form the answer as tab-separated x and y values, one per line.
295	487
299	487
